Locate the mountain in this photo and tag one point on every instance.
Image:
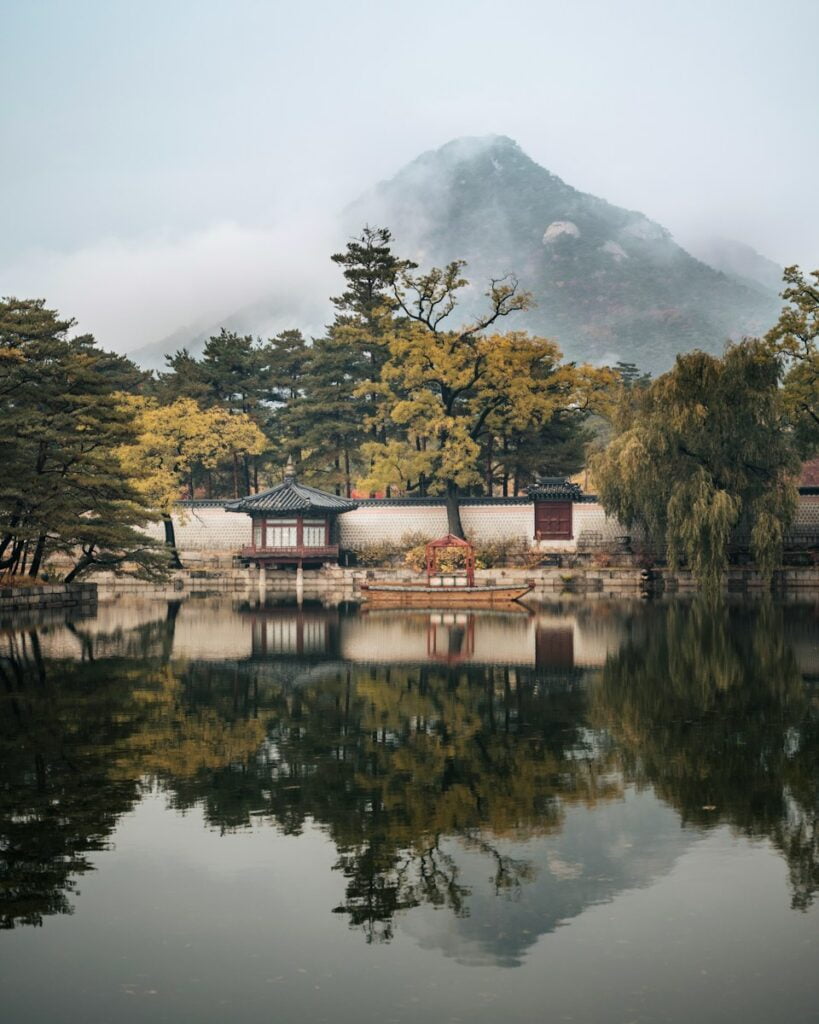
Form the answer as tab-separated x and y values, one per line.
296	307
609	283
739	262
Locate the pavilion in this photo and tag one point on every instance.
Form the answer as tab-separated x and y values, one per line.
292	524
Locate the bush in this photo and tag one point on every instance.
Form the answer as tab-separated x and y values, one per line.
410	552
387	553
19	581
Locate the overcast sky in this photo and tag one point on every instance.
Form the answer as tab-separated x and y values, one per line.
162	162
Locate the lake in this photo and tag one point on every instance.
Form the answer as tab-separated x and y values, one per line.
594	811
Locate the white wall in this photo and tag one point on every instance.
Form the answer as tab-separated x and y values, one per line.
374	524
217	531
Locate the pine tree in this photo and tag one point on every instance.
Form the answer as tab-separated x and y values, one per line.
342	403
61	422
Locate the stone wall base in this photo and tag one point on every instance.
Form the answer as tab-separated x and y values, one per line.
50	595
345	582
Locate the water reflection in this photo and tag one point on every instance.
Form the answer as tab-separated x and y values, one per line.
499	766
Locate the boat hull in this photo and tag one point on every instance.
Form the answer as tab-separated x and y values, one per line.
420	595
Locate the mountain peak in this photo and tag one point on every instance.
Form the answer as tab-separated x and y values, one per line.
609	283
497	152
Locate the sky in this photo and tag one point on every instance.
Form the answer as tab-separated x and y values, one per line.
165	163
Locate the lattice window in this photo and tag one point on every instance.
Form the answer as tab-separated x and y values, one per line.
281	533
314	533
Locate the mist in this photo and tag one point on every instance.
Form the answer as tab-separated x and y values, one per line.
163	292
167	167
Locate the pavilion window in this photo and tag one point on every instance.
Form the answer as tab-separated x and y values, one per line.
282	533
315	638
283	636
314	533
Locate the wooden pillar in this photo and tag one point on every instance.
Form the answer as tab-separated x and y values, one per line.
299	584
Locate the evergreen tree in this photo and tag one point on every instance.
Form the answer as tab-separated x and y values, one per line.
61	422
325	422
339	410
183	379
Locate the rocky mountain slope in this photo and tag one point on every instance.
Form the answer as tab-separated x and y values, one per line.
609	283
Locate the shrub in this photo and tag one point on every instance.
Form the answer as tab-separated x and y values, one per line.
19	581
410	552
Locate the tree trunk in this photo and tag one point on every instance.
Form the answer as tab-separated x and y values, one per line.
14	522
488	477
453	510
37	560
86	560
22	567
170	540
16	552
170	630
235	475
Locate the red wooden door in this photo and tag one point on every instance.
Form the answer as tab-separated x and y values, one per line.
553	520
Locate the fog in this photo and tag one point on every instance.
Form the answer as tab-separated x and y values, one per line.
167	166
135	293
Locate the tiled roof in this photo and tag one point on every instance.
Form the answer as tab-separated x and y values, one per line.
291	497
437	501
555	488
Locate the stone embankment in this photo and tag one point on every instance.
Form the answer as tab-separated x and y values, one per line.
47	596
344	583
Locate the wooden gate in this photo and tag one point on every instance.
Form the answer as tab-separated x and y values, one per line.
553	520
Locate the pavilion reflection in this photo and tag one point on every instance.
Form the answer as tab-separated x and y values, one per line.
555	638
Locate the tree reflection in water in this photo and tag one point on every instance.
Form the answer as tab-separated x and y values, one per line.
703	703
706	704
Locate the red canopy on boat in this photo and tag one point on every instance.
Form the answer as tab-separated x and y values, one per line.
444	543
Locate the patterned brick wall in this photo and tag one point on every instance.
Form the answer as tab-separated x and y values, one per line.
205	529
487	523
806	525
372	524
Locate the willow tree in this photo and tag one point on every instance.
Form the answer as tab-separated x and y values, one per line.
447	389
705	449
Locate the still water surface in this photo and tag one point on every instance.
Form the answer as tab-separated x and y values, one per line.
596	812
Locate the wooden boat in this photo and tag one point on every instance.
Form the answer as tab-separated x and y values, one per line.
444	589
424	595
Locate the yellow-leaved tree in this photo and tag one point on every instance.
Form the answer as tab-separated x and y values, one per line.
448	389
171	439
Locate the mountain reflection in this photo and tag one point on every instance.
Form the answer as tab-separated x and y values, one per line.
455	760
